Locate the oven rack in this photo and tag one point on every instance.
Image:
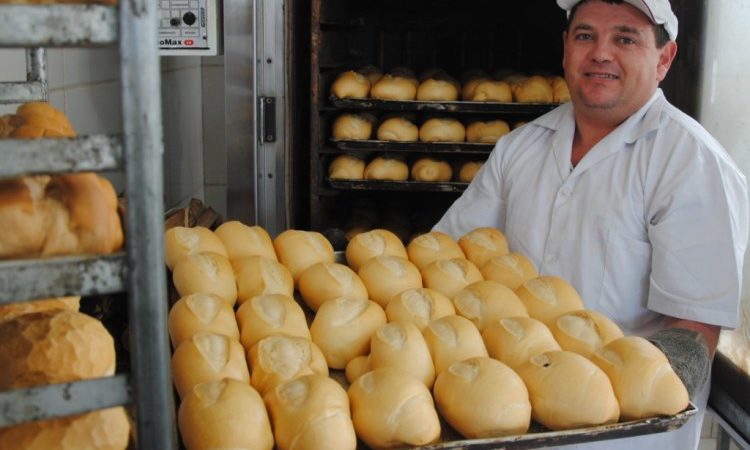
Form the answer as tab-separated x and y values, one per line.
412	186
463	148
534	109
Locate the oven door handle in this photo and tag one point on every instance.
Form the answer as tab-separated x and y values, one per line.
267	119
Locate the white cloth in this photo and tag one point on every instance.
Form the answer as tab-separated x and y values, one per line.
653	220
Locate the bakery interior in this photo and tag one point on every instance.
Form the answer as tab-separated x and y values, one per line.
248	135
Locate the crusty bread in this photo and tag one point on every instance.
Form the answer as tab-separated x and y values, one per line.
394	87
201	312
486	132
548	296
297	250
397	129
350	84
450	276
241	240
419	306
431	169
352	127
279	358
429	247
326	281
486	302
513	340
386	169
12	310
469	170
373	243
492	91
346	167
511	270
182	241
481	244
534	89
442	130
385	276
266	315
584	331
209	273
438	89
560	92
452	339
258	275
401	345
357	367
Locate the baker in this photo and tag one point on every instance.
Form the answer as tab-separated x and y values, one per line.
625	196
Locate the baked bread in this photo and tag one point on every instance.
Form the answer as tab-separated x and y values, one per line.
482	398
534	89
36	120
469	170
449	276
430	169
486	302
548	296
560	92
372	73
418	306
486	132
397	129
326	281
352	127
438	89
357	367
513	340
511	270
394	87
492	91
481	244
201	312
241	240
350	84
401	345
182	241
442	130
10	311
470	84
377	242
452	339
433	246
297	250
258	275
267	315
387	169
385	276
280	358
209	273
584	331
346	167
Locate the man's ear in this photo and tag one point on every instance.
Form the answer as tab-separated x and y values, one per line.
666	56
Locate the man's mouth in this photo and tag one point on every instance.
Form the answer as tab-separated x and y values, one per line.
602	76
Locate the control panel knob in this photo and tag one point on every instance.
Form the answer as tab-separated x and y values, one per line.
189	18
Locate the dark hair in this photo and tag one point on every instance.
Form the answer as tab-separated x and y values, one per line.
660	33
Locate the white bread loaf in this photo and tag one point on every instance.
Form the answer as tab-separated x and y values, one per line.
241	240
481	244
483	398
270	314
486	132
433	246
258	275
311	412
12	310
401	345
511	270
207	357
419	306
394	87
279	358
469	170
201	312
450	276
326	281
387	169
297	250
442	130
437	89
352	127
357	367
54	346
350	84
452	339
346	167
584	331
105	429
225	413
342	328
470	84
209	273
22	212
377	242
34	120
492	91
560	92
643	380
548	296
430	169
534	89
397	129
386	276
373	73
393	409
486	302
182	241
513	340
568	391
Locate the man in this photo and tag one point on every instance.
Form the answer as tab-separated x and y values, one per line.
624	196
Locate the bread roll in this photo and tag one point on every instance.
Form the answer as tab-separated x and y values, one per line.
346	167
54	346
182	241
386	276
546	297
241	241
105	429
511	270
560	92
12	310
270	314
36	120
643	380
388	169
514	79
225	413
357	367
5	126
22	212
207	357
393	409
401	345
208	273
279	358
394	87
429	169
372	73
442	130
350	84
492	91
568	391
486	302
467	90
469	170
326	281
201	312
450	276
482	398
584	331
535	89
483	243
352	127
434	246
297	250
513	340
342	328
311	412
437	89
377	242
452	339
397	129
486	132
258	275
419	306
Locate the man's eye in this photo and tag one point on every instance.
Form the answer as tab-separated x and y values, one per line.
626	41
583	37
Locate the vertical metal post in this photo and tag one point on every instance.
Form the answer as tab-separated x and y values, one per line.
142	132
36	68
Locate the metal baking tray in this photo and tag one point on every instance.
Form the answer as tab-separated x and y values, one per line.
411	186
464	148
457	106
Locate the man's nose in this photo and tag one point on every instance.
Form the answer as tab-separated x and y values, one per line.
602	50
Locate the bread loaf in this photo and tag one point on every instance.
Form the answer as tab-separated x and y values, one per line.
427	248
486	132
512	269
183	241
297	250
492	91
560	92
547	296
513	340
36	120
225	413
482	398
397	129
442	130
419	306
209	273
483	243
372	73
386	276
393	409
346	167
534	89
450	276
438	89
12	310
452	339
584	331
377	242
342	328
470	84
350	84
258	275
486	302
469	170
401	345
279	358
352	127
430	169
357	367
394	87
201	312
311	412
568	391
266	315
387	169
326	281
241	241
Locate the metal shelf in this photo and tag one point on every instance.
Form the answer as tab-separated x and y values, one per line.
452	107
22	91
406	186
57	25
463	148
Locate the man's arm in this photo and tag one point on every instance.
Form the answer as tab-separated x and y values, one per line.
710	332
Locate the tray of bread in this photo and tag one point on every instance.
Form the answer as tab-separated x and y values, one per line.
438	343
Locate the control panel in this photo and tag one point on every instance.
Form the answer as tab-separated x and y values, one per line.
189	27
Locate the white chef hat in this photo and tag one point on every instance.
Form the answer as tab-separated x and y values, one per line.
659	11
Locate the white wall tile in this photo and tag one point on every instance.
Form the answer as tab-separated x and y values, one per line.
91	65
94	108
55	68
13	67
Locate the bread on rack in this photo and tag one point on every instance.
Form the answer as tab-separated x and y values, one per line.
512	269
449	276
353	127
486	302
298	249
548	296
429	247
432	170
451	339
442	130
398	129
419	306
377	242
560	92
201	312
327	281
470	82
385	276
437	85
513	340
469	170
350	84
182	241
401	345
492	91
242	240
258	275
266	315
209	273
346	167
386	169
373	73
10	311
584	331
534	89
35	120
398	87
486	132
483	243
279	358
